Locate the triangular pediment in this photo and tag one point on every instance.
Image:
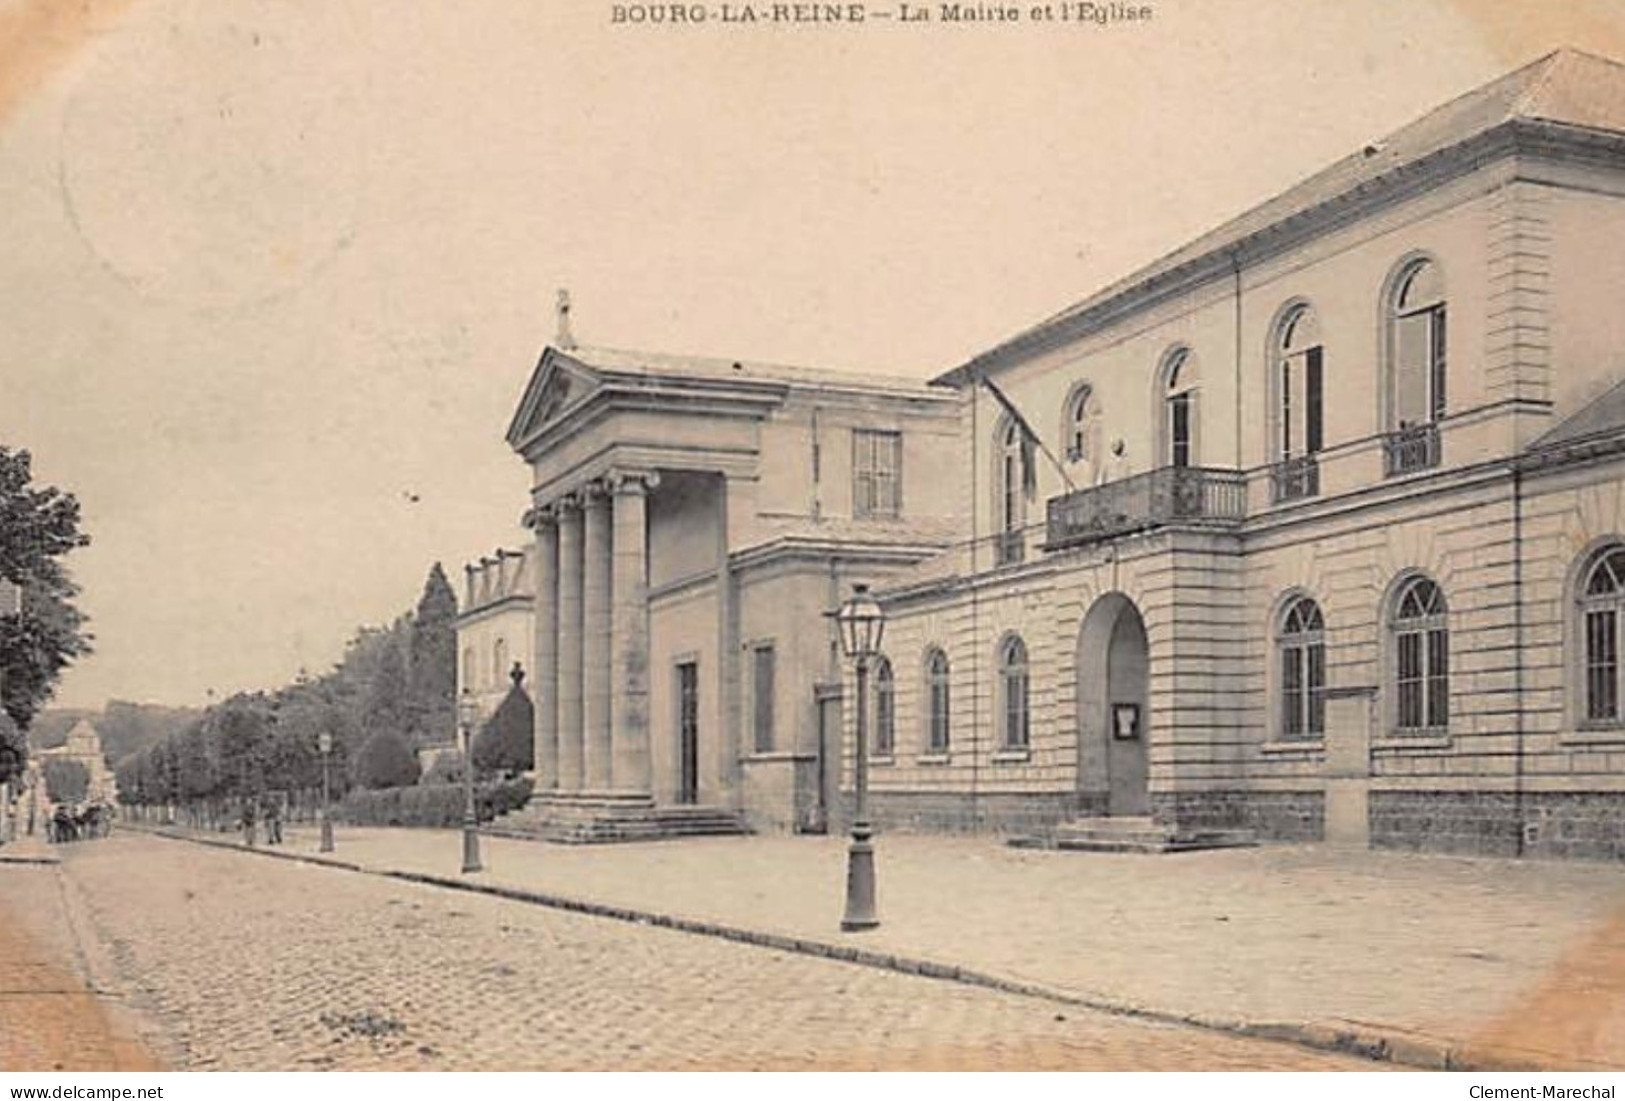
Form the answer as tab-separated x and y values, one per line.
558	384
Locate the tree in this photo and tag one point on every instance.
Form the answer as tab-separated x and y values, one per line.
38	526
386	707
431	667
385	762
506	742
66	781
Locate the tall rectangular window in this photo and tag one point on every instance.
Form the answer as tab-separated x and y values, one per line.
1314	401
877	460
1292	691
1409	681
1602	665
1179	408
762	663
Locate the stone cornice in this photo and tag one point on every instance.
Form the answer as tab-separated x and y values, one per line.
490	609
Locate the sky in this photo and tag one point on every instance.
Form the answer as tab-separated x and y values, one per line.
273	273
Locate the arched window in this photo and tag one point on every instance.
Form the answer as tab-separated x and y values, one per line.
1179	380
1421	639
1302	646
885	709
468	667
1299	385
1014	472
1416	346
1014	729
936	691
499	661
1602	598
1082	425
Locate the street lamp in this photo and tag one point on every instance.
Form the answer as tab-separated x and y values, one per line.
467	712
862	622
324	742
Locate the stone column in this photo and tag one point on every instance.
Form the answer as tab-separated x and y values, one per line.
595	626
629	707
569	646
545	666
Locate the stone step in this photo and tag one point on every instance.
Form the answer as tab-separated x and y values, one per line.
1134	835
597	821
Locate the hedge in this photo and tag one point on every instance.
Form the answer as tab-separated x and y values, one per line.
431	805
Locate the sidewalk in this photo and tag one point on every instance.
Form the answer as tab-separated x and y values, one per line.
1432	961
28	849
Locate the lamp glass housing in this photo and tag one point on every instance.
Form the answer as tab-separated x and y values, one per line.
862	622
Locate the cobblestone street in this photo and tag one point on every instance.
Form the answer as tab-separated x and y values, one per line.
244	963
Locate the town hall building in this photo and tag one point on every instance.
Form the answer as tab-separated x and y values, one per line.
1313	528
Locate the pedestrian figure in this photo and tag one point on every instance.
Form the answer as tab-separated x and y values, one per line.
273	822
248	822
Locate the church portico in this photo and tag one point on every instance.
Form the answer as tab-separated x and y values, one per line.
592	639
688	517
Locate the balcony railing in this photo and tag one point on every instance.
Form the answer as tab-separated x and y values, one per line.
1410	449
1171	495
1292	479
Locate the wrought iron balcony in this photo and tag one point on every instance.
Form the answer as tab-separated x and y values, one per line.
1410	449
1173	494
1292	479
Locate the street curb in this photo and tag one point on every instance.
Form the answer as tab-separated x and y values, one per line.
1377	1043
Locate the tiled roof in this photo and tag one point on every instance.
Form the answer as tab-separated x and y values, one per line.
1602	415
1566	87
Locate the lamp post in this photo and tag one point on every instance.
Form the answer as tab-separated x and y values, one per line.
467	711
324	742
862	622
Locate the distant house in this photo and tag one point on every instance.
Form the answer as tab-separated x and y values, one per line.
84	746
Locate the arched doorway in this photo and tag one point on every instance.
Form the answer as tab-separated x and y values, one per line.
1113	719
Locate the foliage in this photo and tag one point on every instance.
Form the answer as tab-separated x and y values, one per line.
431	666
13	748
506	743
431	805
446	769
66	781
390	681
38	527
385	762
127	728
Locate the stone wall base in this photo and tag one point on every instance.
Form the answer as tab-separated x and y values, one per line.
959	812
1271	815
1580	825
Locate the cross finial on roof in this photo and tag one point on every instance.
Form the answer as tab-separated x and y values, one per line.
564	338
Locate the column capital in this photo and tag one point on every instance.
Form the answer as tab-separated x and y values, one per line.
592	492
632	481
539	516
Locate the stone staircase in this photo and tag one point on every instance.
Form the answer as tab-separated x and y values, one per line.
1134	835
605	819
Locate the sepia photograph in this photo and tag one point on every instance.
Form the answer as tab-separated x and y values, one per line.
811	537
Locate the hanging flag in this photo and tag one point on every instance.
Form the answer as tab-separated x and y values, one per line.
1030	441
